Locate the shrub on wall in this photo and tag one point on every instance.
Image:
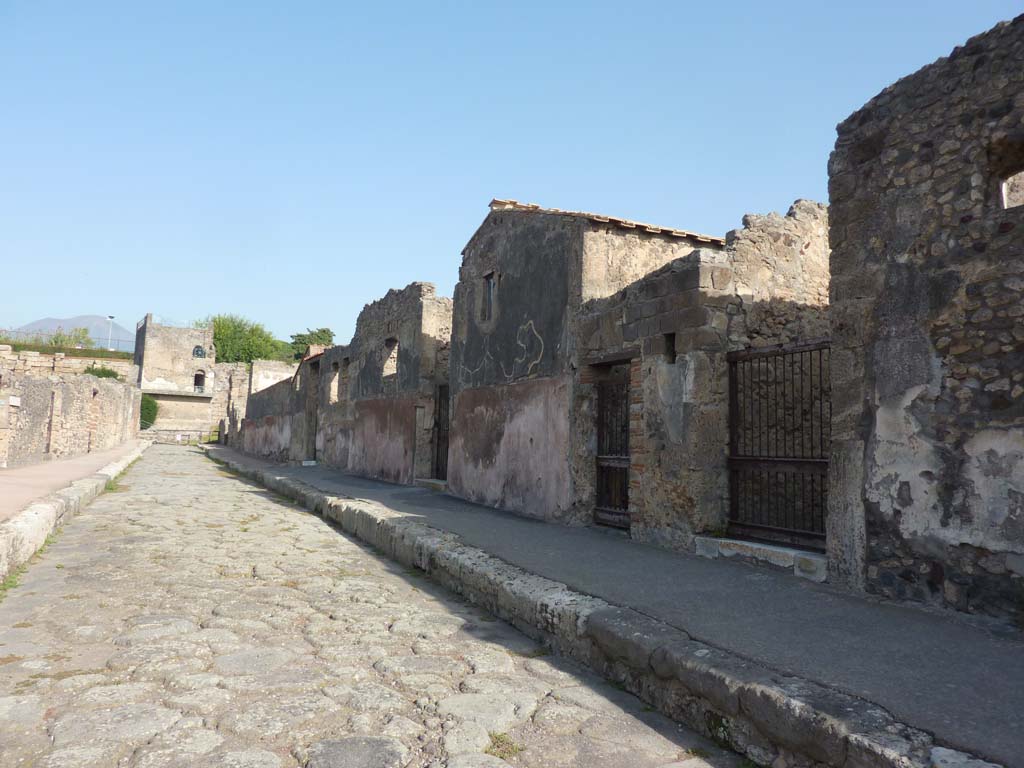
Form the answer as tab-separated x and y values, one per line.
147	413
102	372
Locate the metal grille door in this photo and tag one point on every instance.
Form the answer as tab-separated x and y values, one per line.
613	448
780	415
441	434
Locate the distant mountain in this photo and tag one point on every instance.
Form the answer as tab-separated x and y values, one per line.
98	326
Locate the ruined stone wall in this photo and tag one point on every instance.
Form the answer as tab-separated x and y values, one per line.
378	399
780	271
266	428
61	416
242	381
268	372
45	364
674	328
230	396
679	408
367	407
927	297
614	259
515	368
510	382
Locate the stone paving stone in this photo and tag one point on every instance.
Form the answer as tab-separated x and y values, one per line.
195	620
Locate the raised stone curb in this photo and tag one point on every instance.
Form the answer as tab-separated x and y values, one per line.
774	719
21	536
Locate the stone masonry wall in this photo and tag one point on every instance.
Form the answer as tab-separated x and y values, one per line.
44	364
674	328
260	375
928	358
678	425
780	270
509	364
378	402
61	416
367	407
166	358
268	372
513	357
265	429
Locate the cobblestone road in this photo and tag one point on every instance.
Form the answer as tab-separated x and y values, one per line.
191	619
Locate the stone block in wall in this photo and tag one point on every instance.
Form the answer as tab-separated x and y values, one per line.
715	277
679	319
687	279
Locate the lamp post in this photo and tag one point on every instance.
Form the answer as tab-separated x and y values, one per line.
110	331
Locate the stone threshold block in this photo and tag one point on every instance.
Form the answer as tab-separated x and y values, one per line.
772	718
807	565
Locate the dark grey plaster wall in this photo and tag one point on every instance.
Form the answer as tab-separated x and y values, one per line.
532	256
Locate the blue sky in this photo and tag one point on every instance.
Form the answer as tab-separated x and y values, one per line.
292	161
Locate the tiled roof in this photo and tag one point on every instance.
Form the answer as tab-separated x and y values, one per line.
515	205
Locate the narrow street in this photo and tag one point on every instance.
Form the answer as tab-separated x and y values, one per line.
188	618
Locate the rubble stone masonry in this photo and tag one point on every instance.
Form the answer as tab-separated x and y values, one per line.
44	364
60	416
674	327
927	235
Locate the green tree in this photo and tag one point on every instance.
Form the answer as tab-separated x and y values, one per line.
76	337
283	351
302	341
239	340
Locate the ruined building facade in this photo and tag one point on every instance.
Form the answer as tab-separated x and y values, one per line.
589	371
928	332
670	333
526	276
370	407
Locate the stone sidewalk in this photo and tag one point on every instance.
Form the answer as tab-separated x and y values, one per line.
939	673
43	497
193	620
20	486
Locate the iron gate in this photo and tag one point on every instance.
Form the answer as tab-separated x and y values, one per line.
612	506
441	434
780	414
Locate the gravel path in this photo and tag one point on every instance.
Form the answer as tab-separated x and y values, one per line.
190	619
